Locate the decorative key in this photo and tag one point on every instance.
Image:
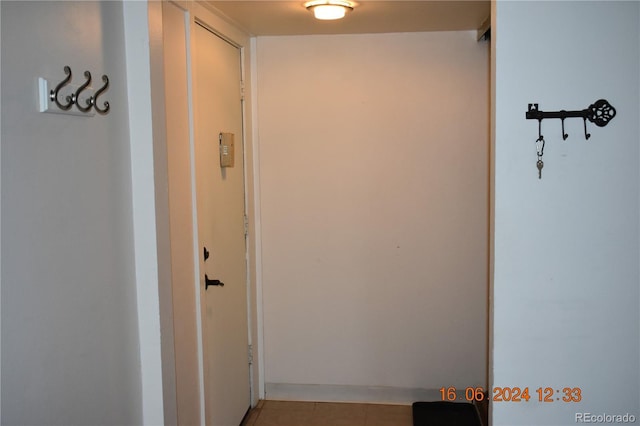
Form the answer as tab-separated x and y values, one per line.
540	165
600	113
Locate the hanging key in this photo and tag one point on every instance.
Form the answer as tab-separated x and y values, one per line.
539	165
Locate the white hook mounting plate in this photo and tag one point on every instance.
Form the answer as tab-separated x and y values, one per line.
47	105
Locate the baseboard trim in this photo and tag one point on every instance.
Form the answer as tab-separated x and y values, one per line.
348	393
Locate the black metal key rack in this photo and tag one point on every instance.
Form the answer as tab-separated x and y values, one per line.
599	113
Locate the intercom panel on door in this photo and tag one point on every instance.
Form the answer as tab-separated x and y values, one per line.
226	149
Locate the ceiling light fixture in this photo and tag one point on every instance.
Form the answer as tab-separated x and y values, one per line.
329	9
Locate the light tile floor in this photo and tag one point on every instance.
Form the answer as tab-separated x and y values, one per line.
285	413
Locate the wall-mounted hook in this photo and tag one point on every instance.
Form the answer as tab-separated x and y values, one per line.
564	135
540	137
533	108
104	110
84	96
76	95
587	135
53	95
600	113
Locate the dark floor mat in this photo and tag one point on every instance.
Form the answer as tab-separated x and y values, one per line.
444	413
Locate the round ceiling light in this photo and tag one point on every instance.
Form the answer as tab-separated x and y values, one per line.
329	9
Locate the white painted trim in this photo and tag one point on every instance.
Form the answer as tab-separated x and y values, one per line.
639	215
492	189
347	393
257	216
189	26
137	37
212	18
163	238
0	227
246	155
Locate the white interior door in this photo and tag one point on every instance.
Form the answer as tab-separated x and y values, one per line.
221	230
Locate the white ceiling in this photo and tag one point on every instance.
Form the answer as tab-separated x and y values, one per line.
284	17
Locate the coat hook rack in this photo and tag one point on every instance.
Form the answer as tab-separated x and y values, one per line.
600	113
63	96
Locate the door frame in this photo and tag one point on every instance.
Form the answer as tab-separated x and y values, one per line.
204	15
197	23
198	12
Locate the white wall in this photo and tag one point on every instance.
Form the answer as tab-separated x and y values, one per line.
143	40
70	352
566	252
374	180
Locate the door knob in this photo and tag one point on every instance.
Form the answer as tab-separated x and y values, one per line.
208	282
